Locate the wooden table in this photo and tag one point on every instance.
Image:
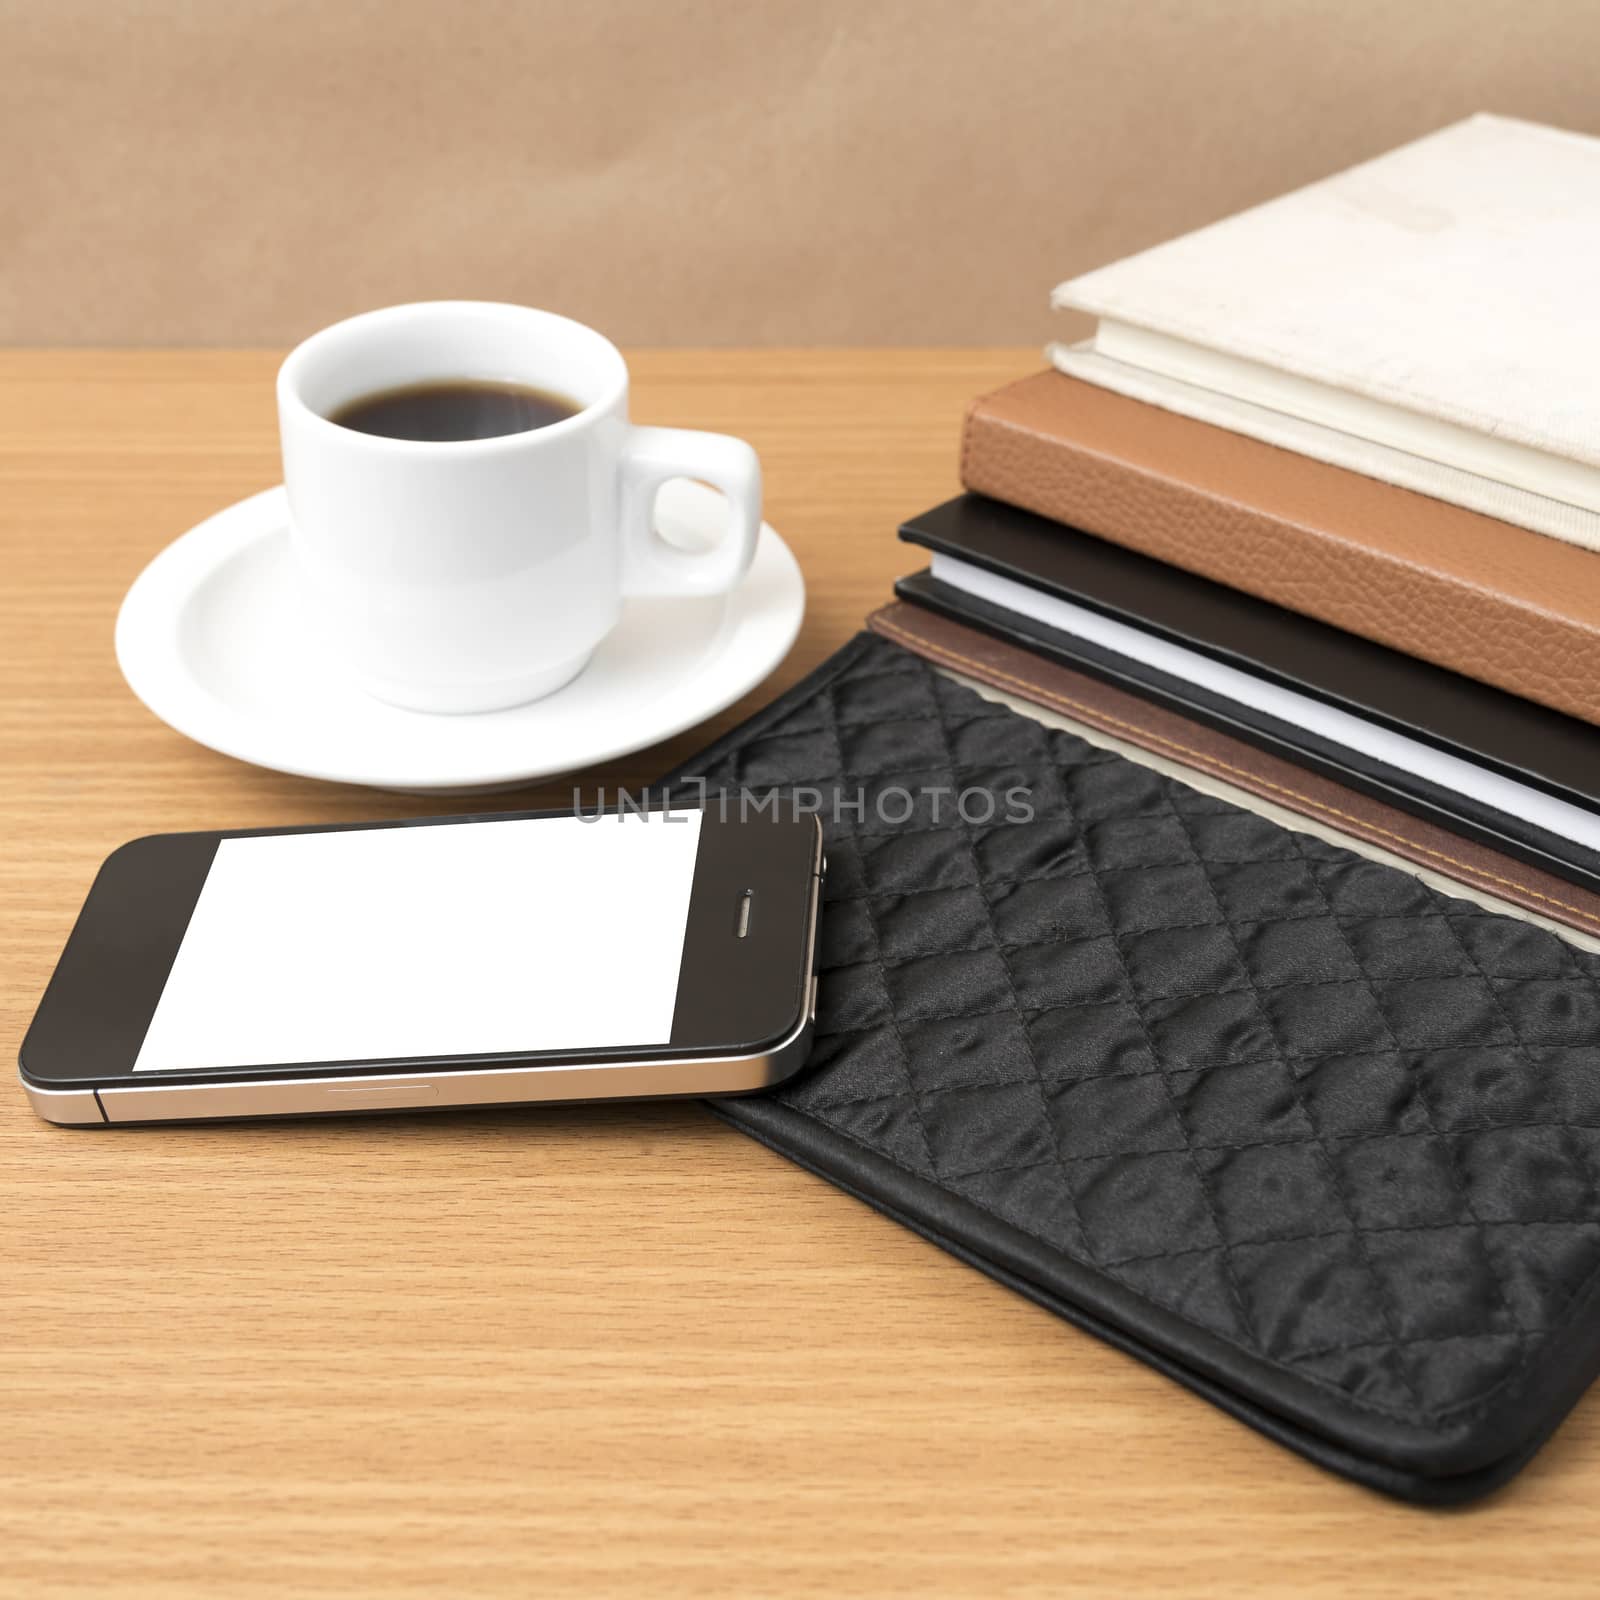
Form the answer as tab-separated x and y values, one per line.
614	1351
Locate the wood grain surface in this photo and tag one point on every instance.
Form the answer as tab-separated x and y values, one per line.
569	1352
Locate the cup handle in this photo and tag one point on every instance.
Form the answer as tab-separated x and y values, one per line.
650	457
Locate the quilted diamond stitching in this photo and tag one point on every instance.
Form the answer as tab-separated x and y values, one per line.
1324	1163
831	725
1010	986
1436	1180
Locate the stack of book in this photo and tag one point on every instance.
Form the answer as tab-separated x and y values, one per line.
1327	477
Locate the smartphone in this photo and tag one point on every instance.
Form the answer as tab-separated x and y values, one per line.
457	961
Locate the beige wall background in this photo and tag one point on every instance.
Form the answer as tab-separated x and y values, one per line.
688	172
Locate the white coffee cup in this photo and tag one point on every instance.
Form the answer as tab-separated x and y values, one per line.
475	574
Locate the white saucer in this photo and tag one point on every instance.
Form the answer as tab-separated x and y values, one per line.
214	638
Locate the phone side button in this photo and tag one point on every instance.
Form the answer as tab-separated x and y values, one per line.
814	985
369	1096
281	1097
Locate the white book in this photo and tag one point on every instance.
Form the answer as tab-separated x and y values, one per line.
1431	318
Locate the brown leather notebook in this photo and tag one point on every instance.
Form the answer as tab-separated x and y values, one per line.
1515	609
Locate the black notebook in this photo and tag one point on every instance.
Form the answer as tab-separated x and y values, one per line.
1536	772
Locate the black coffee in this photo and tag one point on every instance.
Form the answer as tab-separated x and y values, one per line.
455	408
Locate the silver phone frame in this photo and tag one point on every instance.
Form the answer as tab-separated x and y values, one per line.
527	1084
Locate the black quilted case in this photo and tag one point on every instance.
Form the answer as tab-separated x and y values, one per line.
1316	1140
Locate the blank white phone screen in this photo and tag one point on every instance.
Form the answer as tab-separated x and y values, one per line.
473	939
